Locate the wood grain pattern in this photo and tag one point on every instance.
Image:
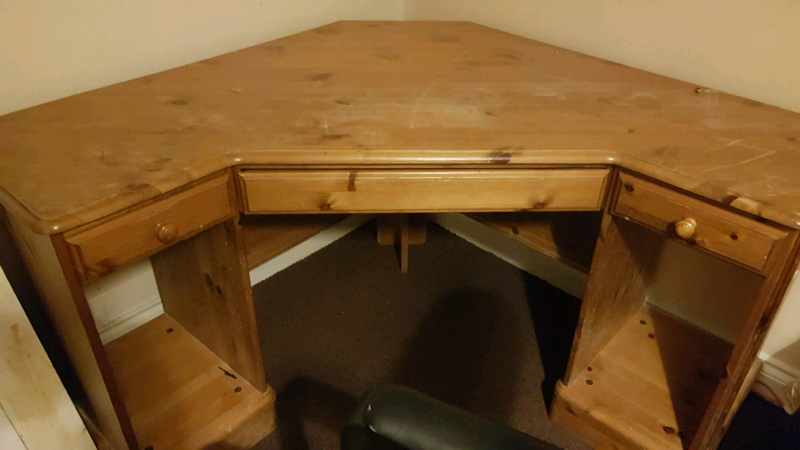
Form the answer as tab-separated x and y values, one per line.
97	436
401	230
325	191
266	237
582	424
741	239
61	291
744	390
623	266
181	396
102	249
430	97
397	93
204	285
568	237
749	341
653	381
402	244
32	396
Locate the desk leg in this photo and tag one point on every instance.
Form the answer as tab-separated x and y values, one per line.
62	294
749	341
205	286
401	230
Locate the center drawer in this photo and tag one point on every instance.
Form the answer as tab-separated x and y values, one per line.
376	191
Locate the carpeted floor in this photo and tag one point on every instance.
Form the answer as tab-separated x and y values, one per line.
760	425
462	326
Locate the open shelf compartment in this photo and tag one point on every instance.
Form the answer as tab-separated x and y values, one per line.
652	383
644	369
181	395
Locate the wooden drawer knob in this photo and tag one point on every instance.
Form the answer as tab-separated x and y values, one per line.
685	228
167	232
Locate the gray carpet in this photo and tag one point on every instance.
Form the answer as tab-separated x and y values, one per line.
462	326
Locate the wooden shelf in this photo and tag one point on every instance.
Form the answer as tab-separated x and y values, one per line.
566	236
268	236
650	386
180	395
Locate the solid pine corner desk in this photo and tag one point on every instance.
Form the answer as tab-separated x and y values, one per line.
400	117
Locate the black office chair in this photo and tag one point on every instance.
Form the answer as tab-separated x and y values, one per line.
400	418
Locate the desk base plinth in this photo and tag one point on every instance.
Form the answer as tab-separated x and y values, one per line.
180	395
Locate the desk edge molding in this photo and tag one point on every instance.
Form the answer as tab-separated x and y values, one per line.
393	159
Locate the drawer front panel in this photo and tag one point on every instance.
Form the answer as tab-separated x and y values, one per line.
341	191
99	250
686	218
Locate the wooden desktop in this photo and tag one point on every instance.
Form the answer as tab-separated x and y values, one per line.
399	117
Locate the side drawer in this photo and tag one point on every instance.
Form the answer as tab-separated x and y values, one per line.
100	249
342	191
696	222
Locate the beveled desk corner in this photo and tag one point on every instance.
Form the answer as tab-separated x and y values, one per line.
399	117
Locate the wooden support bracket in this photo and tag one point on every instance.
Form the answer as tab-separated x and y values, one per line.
401	230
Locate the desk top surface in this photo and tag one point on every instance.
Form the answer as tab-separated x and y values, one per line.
392	93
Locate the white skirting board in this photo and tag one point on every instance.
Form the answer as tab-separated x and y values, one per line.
139	315
779	383
126	300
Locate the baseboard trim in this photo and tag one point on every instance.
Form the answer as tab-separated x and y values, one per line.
779	383
134	318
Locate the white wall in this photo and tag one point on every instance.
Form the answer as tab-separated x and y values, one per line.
744	48
783	340
124	300
681	287
54	48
